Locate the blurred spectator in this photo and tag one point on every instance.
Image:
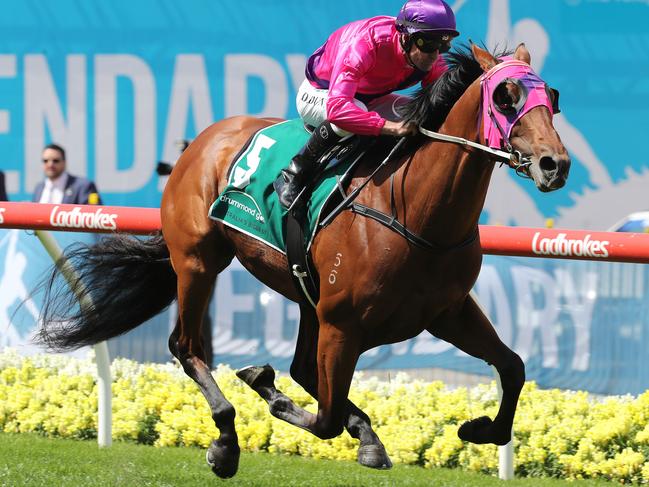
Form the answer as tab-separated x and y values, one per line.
3	191
59	185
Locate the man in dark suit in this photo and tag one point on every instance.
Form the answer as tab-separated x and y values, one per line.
3	191
60	186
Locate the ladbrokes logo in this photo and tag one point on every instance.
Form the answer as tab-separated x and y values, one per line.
560	245
76	218
2	215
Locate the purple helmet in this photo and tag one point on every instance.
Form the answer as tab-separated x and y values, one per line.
429	16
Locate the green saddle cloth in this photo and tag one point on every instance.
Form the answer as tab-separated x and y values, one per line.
249	202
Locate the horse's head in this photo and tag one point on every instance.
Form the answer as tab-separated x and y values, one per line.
517	110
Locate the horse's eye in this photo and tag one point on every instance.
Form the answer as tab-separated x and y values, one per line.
509	97
503	98
505	107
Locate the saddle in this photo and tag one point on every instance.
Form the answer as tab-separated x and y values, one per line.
249	203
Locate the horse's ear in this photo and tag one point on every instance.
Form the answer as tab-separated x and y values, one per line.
486	60
522	54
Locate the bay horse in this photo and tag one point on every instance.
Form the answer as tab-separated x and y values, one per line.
386	289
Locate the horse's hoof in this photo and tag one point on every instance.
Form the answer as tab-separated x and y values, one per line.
255	375
223	459
374	456
481	431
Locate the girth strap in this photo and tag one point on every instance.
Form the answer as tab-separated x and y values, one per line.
397	226
304	276
392	223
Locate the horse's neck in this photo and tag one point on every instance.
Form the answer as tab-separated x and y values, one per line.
451	183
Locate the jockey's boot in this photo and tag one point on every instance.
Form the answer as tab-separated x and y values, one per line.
304	165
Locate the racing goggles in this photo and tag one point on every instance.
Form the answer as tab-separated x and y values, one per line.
431	43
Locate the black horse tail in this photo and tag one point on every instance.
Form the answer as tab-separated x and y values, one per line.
112	287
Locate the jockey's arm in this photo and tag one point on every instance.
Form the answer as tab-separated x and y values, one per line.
342	108
399	129
344	113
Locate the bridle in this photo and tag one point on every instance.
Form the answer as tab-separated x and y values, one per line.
506	153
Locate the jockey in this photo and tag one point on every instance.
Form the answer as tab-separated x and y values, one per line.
351	78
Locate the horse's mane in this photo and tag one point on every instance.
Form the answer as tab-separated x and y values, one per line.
431	104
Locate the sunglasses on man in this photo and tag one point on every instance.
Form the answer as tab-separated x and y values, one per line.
54	161
429	44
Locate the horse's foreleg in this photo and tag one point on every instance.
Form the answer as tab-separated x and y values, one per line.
371	452
261	379
336	359
472	332
195	284
338	351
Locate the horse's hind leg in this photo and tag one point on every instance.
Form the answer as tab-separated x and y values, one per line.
197	266
371	452
472	332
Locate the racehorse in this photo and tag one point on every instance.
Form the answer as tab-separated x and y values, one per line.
387	288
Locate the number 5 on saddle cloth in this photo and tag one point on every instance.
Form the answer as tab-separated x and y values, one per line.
250	204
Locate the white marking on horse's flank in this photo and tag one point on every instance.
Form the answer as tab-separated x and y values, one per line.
334	272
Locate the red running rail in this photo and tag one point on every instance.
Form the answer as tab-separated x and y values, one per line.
565	244
498	240
79	218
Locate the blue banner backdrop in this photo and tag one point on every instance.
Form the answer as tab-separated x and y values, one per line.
577	325
118	83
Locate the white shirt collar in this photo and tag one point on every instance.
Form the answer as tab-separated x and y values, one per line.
58	183
54	190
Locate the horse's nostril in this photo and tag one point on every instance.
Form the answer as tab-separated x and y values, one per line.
547	164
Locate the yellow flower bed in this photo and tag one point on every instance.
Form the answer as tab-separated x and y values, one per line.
557	433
